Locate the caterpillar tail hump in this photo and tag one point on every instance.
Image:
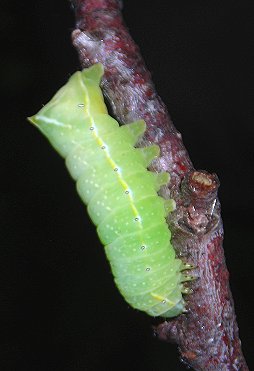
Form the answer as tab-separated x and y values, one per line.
121	194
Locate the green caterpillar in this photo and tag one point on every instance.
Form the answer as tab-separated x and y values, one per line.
121	194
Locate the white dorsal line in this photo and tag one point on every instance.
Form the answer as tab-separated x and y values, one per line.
110	160
48	120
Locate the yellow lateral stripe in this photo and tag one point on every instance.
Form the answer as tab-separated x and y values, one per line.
161	298
110	160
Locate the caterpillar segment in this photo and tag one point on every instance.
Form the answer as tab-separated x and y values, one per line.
134	131
120	193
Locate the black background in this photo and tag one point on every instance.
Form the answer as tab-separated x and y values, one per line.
59	307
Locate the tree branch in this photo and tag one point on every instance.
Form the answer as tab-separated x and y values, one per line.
207	335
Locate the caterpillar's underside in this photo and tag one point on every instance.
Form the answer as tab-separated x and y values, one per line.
121	194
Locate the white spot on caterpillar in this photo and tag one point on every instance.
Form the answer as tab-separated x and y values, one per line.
81	105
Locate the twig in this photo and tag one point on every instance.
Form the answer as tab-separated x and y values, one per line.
207	335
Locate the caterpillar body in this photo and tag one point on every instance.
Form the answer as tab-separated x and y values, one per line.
121	194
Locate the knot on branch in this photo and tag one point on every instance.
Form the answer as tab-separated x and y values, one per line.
199	206
87	43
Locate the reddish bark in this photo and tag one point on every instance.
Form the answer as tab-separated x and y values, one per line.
207	334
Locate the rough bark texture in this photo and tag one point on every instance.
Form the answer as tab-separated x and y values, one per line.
207	335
